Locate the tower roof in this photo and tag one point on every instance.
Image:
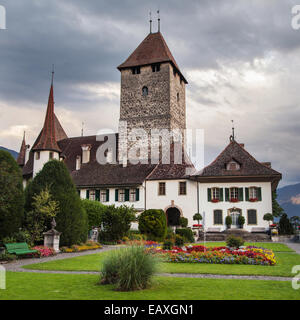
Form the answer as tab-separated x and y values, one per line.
22	153
47	138
153	49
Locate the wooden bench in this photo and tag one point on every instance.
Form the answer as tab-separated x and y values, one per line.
258	230
18	248
213	230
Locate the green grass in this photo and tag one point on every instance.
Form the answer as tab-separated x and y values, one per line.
33	286
285	262
276	247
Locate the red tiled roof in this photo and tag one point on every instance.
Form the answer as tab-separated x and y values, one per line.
153	49
47	138
22	153
249	166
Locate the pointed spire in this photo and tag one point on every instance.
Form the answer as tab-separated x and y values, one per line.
22	153
232	137
47	138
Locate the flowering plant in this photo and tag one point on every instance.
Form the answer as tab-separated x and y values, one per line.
215	200
253	199
197	225
234	200
44	251
274	225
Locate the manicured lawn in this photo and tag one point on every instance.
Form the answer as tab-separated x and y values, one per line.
285	262
276	247
32	286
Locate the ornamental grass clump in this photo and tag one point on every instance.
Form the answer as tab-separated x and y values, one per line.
129	268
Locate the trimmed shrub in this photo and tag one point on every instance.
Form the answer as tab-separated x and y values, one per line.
197	217
11	195
179	240
71	217
153	223
168	245
241	220
228	221
183	222
116	222
234	242
129	269
94	211
187	234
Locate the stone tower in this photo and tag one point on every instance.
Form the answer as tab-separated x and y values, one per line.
152	91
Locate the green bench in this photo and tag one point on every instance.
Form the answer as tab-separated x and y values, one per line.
18	248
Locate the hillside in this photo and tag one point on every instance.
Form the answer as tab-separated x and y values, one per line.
289	199
12	152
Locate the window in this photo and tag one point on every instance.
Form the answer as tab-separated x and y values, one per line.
51	155
234	193
252	216
218	217
156	67
162	189
215	193
182	188
253	193
132	195
92	195
136	70
121	195
232	166
37	155
145	91
103	196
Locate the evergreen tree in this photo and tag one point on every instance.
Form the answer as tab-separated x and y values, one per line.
71	217
285	227
11	195
277	211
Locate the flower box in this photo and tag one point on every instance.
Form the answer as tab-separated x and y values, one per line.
234	200
215	200
253	199
197	225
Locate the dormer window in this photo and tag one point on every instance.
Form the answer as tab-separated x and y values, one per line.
156	67
145	91
136	70
233	166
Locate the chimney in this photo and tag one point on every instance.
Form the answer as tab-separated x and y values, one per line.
86	153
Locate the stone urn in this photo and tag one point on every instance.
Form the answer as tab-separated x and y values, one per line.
52	238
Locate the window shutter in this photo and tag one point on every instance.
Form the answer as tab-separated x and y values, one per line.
226	194
137	194
88	194
116	195
221	194
241	194
259	194
97	195
247	194
126	194
208	194
107	195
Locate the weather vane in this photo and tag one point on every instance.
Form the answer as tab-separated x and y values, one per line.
232	136
150	14
158	13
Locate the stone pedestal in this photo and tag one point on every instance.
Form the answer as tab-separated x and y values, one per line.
52	237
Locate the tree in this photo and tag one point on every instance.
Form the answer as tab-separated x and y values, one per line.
39	218
71	217
285	227
153	223
183	222
277	210
94	211
197	217
116	222
295	221
11	195
268	217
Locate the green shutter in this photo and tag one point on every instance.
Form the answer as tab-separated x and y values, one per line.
116	195
241	194
226	194
259	194
247	194
88	194
97	196
126	194
208	194
137	195
221	194
107	195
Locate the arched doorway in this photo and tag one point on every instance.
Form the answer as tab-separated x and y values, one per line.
235	213
173	216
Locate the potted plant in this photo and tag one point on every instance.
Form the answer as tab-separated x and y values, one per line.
241	221
228	221
197	217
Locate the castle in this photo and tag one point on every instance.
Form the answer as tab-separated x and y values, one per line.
153	97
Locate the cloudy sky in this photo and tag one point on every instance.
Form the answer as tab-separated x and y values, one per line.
241	58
